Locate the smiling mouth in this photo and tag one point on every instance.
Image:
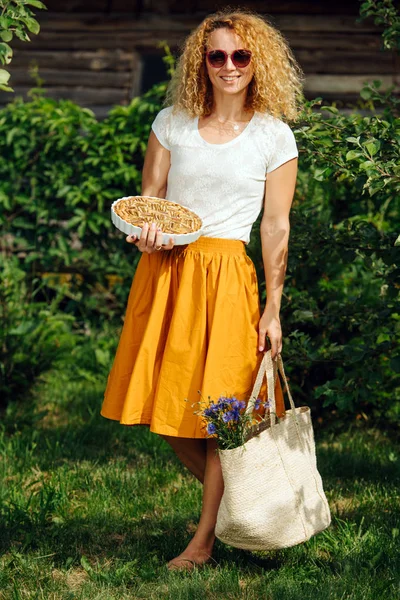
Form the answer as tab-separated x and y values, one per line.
230	77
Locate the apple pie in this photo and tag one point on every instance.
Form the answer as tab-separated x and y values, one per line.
169	216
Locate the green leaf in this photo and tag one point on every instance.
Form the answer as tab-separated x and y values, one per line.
23	328
320	173
102	357
6	53
365	94
94	227
6	36
367	165
22	35
62	244
352	154
36	4
372	147
86	564
4	77
375	186
303	315
383	337
331	109
32	25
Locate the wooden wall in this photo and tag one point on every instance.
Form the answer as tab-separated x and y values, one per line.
104	52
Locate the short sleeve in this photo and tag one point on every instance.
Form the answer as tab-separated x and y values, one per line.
285	147
162	127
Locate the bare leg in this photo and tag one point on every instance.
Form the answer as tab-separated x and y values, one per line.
191	452
200	547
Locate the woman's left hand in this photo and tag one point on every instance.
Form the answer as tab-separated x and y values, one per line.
270	326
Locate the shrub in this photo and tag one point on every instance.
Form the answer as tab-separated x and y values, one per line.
33	335
340	310
60	169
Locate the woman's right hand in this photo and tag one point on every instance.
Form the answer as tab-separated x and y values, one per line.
150	239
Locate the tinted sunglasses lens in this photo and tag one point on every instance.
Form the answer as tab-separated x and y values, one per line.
216	58
241	58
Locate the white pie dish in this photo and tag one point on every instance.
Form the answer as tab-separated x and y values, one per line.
129	229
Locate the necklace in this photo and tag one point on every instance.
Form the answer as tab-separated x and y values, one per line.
235	125
227	126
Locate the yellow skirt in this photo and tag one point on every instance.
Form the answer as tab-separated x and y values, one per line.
191	328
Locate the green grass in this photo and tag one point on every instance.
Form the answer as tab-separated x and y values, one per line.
92	509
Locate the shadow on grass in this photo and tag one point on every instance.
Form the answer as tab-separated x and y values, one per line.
100	440
73	430
351	463
100	546
78	432
148	541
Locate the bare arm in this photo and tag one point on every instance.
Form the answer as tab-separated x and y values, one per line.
156	166
275	229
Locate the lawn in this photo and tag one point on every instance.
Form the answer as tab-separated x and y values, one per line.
93	509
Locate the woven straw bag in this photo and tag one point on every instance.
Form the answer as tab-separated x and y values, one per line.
273	495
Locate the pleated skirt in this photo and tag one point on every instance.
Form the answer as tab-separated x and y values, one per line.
190	333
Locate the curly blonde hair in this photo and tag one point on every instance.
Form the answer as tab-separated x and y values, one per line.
276	87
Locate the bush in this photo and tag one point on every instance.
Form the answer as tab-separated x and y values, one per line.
34	336
340	310
60	170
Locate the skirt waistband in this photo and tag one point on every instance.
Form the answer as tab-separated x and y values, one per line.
215	245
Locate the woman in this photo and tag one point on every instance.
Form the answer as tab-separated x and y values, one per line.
193	316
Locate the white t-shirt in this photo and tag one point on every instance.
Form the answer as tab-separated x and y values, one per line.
223	183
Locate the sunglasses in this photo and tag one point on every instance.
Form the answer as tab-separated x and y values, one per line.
217	58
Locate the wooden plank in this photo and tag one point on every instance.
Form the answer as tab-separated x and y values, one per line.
317	60
343	84
129	41
121	22
82	95
283	7
73	77
207	6
115	23
89	41
335	23
77	5
344	62
97	60
339	41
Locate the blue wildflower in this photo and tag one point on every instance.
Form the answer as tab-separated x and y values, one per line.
235	415
211	428
238	404
223	402
257	403
228	416
208	412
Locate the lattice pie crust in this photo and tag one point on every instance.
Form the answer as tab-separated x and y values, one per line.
169	216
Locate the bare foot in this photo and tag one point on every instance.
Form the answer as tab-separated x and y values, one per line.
189	559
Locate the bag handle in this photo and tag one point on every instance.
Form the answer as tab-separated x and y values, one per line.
269	368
